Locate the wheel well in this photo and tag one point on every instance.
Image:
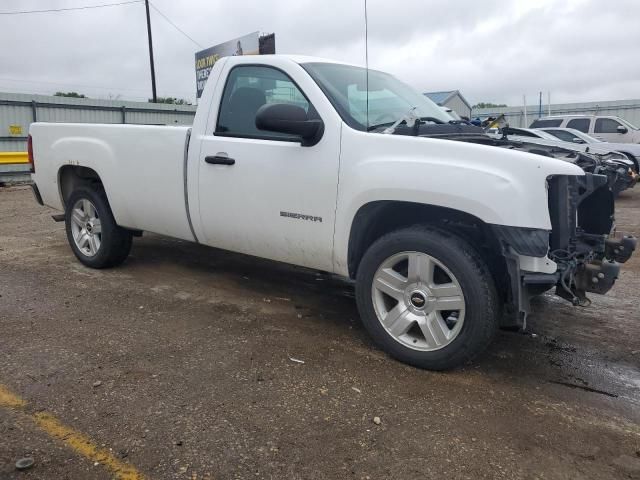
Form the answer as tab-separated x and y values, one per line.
376	219
70	177
633	158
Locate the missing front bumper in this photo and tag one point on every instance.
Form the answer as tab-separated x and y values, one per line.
590	271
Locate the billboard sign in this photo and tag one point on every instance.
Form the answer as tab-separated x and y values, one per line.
206	59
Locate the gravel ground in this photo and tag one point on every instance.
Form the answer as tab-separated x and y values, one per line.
192	348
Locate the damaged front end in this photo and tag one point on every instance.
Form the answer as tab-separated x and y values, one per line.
613	165
583	254
582	214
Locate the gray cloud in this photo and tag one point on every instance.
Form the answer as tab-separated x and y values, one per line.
580	50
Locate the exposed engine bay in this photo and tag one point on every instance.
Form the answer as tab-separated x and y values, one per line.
615	166
583	243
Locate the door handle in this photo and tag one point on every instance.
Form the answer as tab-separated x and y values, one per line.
219	160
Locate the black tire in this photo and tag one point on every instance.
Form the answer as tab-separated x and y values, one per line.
477	284
115	242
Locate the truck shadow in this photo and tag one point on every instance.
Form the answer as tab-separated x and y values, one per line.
553	351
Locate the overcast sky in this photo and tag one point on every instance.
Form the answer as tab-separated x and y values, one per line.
491	50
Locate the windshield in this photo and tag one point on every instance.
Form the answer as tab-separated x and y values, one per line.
585	137
389	98
627	124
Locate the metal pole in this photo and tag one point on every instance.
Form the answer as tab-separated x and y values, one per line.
549	102
366	56
540	106
524	102
153	70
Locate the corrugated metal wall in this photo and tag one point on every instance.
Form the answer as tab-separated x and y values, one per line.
627	109
456	104
17	112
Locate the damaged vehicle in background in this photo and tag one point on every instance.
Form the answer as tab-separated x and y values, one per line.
446	231
620	171
571	135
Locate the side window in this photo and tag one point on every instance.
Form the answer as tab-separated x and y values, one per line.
247	89
606	125
562	135
581	124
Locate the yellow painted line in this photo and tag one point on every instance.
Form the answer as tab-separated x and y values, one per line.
75	440
9	399
13	157
85	447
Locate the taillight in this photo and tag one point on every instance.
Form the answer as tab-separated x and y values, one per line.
32	164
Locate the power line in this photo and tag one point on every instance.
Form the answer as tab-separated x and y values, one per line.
174	25
86	7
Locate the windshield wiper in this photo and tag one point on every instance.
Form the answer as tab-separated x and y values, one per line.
409	117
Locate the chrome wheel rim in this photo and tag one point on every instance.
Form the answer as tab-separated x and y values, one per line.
86	228
418	301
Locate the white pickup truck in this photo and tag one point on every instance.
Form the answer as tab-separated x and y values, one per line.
446	231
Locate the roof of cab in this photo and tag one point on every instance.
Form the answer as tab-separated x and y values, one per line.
300	59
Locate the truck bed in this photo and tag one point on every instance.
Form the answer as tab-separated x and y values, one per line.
141	166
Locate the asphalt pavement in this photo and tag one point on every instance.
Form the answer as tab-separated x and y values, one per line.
190	362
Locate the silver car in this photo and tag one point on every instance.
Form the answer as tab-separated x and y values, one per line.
631	150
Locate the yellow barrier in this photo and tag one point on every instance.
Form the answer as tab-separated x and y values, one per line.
7	158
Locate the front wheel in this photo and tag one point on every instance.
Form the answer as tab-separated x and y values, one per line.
427	298
95	238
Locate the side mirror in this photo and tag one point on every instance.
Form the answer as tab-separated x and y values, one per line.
578	140
621	129
291	119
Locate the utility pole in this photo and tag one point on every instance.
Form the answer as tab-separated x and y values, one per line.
153	70
540	106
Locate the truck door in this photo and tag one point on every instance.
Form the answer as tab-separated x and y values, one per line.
610	130
263	193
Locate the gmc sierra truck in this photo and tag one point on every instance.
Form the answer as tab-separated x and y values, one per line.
446	231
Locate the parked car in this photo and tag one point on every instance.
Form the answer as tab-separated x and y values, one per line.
443	228
631	150
604	127
620	170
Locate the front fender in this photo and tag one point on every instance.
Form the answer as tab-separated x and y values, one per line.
499	186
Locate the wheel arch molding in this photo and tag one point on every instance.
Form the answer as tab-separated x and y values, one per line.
377	218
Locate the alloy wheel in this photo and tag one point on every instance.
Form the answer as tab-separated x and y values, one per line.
418	301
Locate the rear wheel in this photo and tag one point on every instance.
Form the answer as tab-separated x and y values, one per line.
427	298
92	232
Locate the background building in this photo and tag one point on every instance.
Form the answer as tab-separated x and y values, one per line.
452	99
18	111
